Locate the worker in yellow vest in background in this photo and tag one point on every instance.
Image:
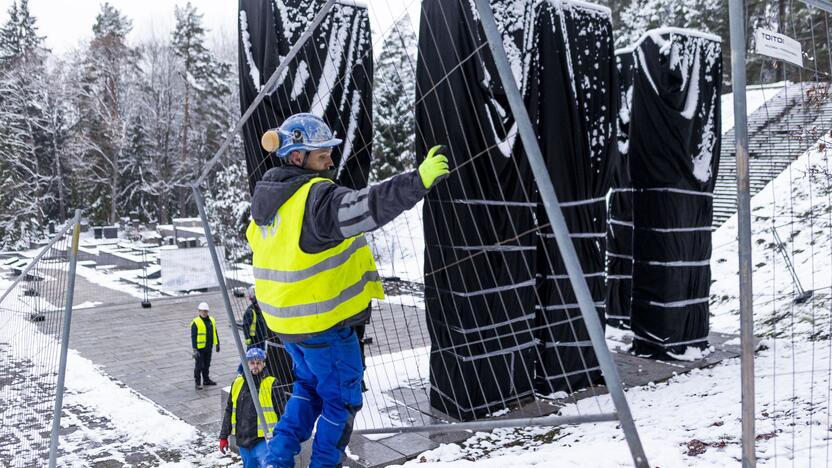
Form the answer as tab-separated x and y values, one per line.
203	340
240	418
316	276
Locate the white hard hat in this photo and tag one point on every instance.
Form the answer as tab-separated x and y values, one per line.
203	306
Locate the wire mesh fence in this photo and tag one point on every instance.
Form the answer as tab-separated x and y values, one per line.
33	334
789	122
479	318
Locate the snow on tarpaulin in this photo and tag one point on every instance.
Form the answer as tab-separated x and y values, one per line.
673	156
620	209
479	224
330	77
573	100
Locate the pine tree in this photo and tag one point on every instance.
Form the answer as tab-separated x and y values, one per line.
227	206
205	119
27	161
19	209
393	96
138	172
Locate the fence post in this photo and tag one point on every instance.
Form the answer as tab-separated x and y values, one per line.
561	231
737	24
209	239
70	292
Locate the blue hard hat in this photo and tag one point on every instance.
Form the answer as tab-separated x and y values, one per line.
255	353
305	132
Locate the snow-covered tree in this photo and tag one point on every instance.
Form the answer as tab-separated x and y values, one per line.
106	79
205	82
642	15
19	212
138	172
27	129
227	206
394	92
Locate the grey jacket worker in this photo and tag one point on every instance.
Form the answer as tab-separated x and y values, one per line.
334	213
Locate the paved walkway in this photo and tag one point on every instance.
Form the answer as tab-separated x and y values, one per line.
150	351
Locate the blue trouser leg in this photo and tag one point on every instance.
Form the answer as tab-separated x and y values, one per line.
254	457
298	419
328	370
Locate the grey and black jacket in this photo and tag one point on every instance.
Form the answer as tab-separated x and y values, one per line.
246	430
334	213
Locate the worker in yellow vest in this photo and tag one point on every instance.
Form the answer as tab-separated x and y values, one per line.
316	276
240	418
204	339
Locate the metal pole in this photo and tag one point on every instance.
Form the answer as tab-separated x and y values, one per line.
267	88
488	425
737	23
558	223
35	260
70	293
232	323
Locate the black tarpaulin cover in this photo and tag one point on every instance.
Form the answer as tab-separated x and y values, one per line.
331	77
620	209
674	155
573	101
479	224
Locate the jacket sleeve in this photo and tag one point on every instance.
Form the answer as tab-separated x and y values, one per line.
225	430
247	317
335	213
216	333
279	398
193	335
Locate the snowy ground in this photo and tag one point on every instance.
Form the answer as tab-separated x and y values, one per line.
694	419
104	423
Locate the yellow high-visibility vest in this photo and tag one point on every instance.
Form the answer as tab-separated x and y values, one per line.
252	329
201	332
265	397
302	293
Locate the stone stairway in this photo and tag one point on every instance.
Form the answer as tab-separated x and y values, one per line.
779	132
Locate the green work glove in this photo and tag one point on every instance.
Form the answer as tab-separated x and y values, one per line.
435	166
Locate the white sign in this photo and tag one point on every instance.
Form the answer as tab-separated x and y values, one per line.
188	269
778	46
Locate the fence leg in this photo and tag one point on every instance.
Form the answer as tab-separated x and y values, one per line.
737	24
567	249
200	204
70	292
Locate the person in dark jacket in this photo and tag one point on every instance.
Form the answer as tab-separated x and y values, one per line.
254	327
204	338
240	418
316	277
258	335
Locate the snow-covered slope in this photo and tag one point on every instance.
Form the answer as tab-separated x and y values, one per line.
693	420
798	204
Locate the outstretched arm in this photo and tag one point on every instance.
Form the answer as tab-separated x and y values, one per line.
335	213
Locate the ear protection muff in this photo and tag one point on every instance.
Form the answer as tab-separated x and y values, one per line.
270	141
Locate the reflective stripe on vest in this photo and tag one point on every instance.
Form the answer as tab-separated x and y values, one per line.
265	397
303	293
201	332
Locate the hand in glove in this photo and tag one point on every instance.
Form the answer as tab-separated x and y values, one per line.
218	347
434	167
195	354
223	446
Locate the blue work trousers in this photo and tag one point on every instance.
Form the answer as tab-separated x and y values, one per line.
328	372
254	457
